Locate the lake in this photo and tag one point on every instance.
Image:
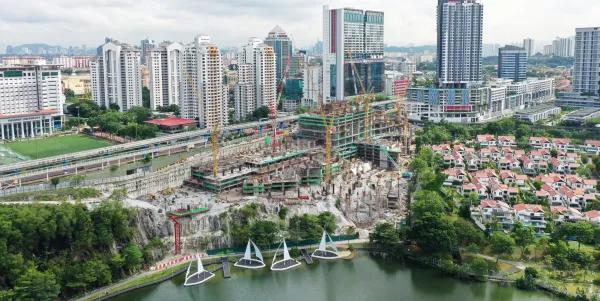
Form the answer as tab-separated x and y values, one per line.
367	277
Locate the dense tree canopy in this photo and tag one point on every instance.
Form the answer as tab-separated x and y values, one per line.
50	251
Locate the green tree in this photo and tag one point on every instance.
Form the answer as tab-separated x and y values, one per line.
523	237
74	122
133	257
464	210
264	232
35	286
427	202
554	153
55	182
283	212
114	106
434	233
328	221
479	267
385	234
69	93
301	110
467	234
146	97
502	244
139	114
307	225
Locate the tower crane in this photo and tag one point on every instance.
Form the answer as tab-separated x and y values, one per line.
367	96
273	111
214	137
401	98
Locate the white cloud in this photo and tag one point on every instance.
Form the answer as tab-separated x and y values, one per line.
231	22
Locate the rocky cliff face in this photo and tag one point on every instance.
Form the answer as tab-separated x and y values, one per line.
212	230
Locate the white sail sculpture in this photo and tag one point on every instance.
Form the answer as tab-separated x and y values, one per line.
322	252
200	276
286	263
247	262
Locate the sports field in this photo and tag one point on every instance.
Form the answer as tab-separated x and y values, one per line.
56	146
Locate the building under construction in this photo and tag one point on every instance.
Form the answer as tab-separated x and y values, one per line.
303	161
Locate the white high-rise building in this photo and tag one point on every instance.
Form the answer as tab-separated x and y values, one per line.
460	35
116	76
244	89
490	50
65	61
31	100
244	92
164	66
202	61
313	81
257	79
265	82
586	72
352	36
563	47
529	45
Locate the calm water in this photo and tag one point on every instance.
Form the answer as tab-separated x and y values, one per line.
367	277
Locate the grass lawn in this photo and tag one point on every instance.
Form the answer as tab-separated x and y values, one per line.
56	146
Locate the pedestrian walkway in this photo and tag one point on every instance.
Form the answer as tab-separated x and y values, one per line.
306	257
226	272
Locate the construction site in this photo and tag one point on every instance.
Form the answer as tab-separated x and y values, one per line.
347	158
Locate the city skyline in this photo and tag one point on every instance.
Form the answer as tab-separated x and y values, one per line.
408	22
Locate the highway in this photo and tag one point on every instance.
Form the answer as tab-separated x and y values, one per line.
122	151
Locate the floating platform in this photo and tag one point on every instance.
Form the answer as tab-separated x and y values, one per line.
198	278
322	252
247	262
285	264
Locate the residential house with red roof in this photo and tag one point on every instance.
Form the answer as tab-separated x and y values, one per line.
530	215
593	216
486	140
561	144
507	141
540	142
592	147
497	211
562	214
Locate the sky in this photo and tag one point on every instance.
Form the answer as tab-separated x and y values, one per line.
232	22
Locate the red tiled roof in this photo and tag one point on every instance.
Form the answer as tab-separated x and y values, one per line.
174	121
535	208
592	214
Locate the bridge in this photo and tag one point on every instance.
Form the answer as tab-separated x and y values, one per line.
98	158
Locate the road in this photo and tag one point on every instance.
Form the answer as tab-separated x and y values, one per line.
92	167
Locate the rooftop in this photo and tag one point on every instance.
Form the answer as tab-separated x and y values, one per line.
173	121
537	109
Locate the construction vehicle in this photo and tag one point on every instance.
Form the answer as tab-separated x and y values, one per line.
214	137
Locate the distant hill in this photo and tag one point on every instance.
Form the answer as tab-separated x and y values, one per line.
415	49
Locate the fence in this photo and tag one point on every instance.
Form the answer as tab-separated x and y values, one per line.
70	184
301	243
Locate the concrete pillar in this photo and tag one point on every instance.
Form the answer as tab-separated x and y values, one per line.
51	125
32	132
2	130
42	126
12	131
